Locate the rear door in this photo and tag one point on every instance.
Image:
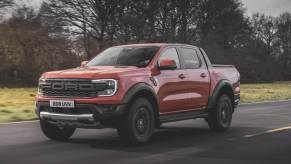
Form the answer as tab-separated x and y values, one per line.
173	93
198	80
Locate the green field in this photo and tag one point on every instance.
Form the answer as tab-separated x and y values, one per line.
265	92
17	104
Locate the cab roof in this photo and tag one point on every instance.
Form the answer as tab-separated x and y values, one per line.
154	45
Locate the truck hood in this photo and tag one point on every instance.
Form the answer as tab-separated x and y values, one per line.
94	72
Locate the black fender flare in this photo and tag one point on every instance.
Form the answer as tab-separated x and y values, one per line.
217	91
142	88
129	95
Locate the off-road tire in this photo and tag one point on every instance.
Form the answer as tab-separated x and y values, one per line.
220	117
137	126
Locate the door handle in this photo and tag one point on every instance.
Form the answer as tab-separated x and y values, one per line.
203	75
182	76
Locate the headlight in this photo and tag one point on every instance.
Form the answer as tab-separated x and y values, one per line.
41	81
110	88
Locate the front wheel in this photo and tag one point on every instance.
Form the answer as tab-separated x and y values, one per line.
138	125
220	118
55	132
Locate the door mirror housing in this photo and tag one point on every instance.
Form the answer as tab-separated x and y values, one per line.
83	63
167	64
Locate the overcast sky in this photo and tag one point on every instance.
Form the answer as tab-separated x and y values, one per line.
34	3
269	7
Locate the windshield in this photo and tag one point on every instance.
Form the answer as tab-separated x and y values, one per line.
125	56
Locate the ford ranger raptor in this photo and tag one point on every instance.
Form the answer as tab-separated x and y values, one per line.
135	88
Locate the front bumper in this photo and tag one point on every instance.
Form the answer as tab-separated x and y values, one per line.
67	117
82	116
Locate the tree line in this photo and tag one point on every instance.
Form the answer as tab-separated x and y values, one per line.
64	32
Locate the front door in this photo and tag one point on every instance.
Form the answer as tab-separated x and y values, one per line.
173	93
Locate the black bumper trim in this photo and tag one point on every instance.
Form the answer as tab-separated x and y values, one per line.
100	112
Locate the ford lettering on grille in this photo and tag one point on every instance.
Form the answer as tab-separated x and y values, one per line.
71	88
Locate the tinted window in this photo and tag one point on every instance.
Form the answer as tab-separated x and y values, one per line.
171	53
125	56
189	58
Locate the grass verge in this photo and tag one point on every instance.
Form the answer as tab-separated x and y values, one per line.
17	104
265	92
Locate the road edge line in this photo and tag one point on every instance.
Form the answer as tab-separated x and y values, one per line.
18	122
264	102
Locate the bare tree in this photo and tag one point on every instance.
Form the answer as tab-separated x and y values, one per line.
28	49
264	30
5	3
222	22
284	39
90	18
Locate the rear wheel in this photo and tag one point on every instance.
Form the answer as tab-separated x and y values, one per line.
220	118
55	132
138	125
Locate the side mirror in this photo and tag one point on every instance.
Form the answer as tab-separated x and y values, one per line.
167	64
83	63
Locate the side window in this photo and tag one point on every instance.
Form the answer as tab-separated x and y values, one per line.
189	58
171	53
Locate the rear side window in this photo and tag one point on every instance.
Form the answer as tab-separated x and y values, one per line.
189	58
171	53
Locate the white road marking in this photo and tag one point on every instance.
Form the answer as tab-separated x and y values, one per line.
268	132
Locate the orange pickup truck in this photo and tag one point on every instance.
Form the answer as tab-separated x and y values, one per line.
135	88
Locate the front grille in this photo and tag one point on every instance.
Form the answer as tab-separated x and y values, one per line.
79	88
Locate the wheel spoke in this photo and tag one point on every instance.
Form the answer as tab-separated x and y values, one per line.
225	113
142	121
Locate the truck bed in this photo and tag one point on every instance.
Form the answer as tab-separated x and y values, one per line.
224	72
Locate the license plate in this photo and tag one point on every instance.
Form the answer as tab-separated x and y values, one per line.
62	104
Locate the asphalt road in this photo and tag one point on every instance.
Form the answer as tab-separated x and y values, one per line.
260	133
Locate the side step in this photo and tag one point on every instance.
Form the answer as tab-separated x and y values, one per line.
183	116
